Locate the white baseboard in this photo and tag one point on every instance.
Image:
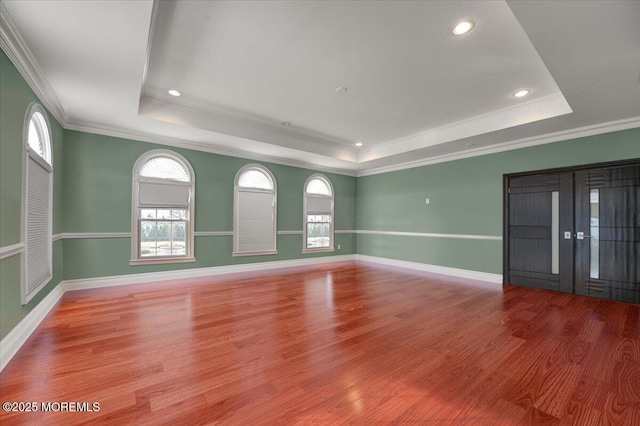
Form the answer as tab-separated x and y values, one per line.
436	269
88	283
13	341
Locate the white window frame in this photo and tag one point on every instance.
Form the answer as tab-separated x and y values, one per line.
135	209
47	163
305	196
236	210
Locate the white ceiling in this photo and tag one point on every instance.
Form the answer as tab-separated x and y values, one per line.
415	92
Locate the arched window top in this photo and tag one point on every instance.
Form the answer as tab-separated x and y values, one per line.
163	200
254	217
38	132
319	185
165	167
254	176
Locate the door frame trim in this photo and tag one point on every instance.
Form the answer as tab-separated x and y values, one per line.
505	197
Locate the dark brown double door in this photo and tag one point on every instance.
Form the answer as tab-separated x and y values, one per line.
575	231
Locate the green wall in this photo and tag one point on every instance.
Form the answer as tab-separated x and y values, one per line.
465	198
15	98
92	193
98	199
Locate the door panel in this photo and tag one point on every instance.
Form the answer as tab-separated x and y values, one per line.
599	209
531	208
535	248
608	211
537	258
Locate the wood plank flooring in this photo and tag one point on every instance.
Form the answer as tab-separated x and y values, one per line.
339	343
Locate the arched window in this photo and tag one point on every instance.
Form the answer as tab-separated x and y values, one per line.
163	209
254	218
318	214
37	199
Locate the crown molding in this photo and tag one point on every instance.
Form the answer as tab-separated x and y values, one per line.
515	115
214	117
563	135
20	55
200	146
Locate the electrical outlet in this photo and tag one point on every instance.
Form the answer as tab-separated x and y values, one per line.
338	246
426	201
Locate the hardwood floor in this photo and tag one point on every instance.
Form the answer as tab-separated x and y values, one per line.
332	344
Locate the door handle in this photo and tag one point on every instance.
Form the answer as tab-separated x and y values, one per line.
581	236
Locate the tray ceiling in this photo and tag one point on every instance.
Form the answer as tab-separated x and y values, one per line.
391	76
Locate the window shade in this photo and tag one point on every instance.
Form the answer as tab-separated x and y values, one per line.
318	205
255	179
256	225
163	195
38	244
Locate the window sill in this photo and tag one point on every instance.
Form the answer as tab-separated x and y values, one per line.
254	253
318	250
162	260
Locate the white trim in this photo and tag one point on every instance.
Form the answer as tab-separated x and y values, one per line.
254	253
545	107
318	250
16	49
290	232
305	213
202	147
213	233
46	163
12	250
255	127
161	260
13	341
436	269
431	235
563	135
85	235
189	256
147	56
100	235
20	55
81	284
237	189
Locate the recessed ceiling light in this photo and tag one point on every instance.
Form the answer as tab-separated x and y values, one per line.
342	90
286	124
359	144
463	27
522	93
174	92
